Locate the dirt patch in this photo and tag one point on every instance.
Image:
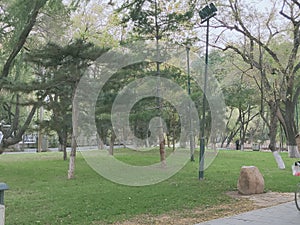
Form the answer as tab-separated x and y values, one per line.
266	199
242	203
188	217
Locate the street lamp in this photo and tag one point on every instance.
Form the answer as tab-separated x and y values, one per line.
205	13
188	47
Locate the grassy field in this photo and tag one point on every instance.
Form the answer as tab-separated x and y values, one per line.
41	194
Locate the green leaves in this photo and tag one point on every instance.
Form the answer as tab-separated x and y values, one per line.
156	19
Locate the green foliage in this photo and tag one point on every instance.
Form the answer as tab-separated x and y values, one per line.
144	110
59	69
94	22
240	94
155	19
21	26
15	17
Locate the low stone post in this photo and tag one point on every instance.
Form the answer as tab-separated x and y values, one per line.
3	187
250	181
2	214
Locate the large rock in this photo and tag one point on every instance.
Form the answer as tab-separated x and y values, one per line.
250	181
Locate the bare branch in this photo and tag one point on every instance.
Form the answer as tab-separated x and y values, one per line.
296	2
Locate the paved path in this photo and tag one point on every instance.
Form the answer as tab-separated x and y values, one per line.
283	214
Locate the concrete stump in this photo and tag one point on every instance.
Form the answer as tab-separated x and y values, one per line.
250	181
2	214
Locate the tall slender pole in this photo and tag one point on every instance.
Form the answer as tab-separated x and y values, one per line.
40	135
202	139
191	135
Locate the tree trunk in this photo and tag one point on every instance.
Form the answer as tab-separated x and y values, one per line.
162	145
159	103
111	144
279	160
183	140
22	38
241	116
231	136
75	112
293	151
1	137
65	155
71	170
40	134
192	146
291	141
272	134
173	141
147	142
168	141
8	141
62	145
273	124
289	127
223	141
99	142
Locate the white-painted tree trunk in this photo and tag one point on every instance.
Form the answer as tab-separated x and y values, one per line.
71	171
242	147
293	151
279	160
71	167
1	136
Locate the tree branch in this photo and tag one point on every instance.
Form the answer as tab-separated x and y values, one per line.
23	36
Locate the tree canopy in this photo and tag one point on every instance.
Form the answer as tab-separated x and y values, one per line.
46	45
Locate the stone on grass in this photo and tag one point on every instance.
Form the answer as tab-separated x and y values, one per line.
250	181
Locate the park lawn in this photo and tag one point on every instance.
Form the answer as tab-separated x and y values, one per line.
41	194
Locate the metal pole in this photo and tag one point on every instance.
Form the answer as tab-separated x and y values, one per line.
202	139
189	93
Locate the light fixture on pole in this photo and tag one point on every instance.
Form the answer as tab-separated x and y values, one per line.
205	13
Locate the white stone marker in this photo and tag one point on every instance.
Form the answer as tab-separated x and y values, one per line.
2	214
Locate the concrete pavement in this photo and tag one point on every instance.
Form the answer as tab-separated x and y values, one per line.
283	214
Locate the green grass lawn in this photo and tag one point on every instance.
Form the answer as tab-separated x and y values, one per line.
41	194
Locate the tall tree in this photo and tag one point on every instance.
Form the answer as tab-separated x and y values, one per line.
17	21
25	25
155	20
62	69
258	47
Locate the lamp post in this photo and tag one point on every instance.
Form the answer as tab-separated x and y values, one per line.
205	13
188	47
